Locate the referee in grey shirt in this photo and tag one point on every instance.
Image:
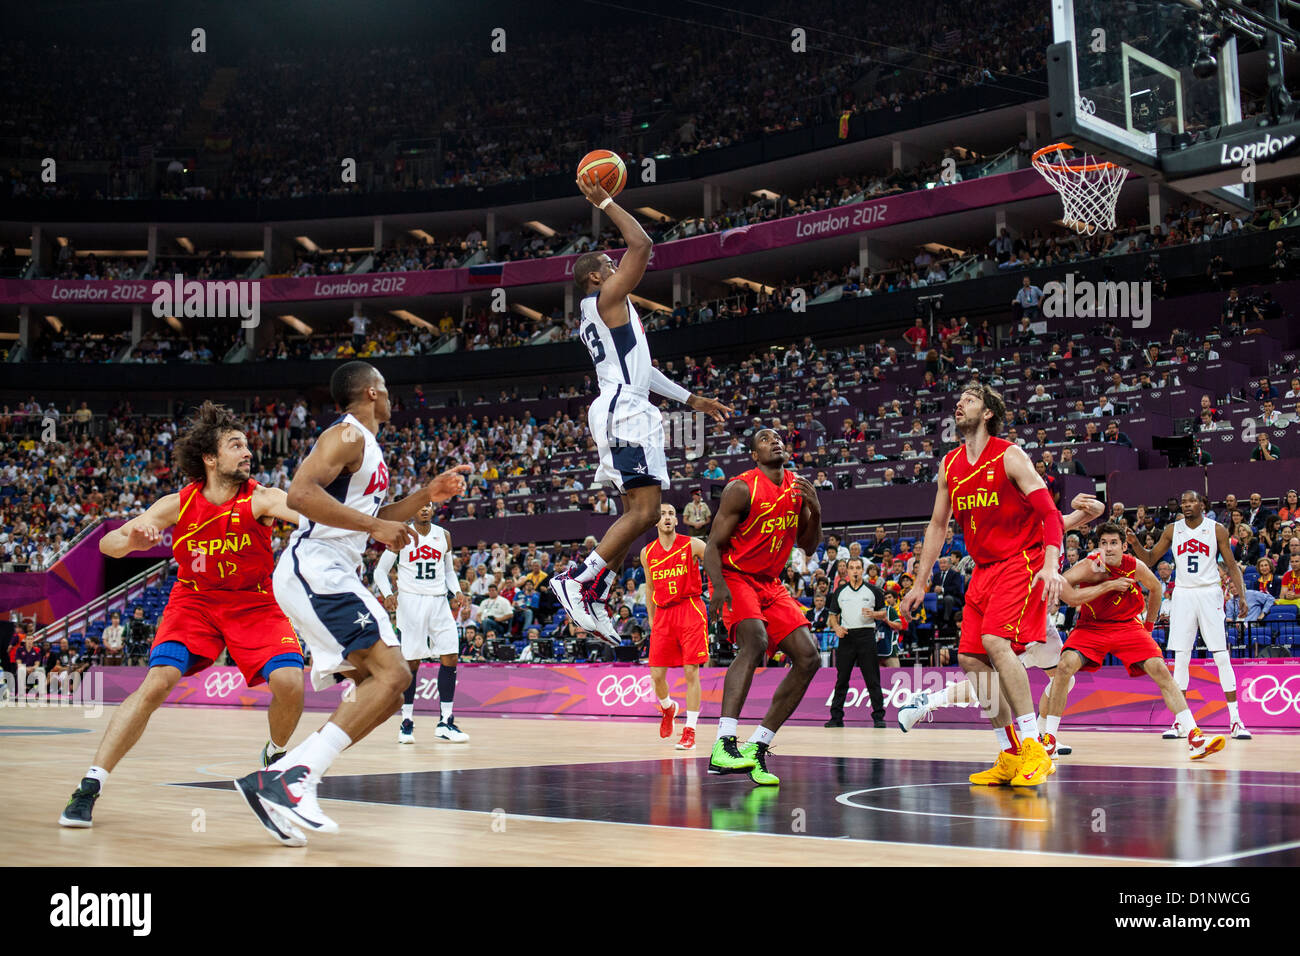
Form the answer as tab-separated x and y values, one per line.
855	608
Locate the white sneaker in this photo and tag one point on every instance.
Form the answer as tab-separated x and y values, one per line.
569	593
277	822
1239	731
294	791
1063	750
284	822
447	730
1174	733
406	733
604	623
916	708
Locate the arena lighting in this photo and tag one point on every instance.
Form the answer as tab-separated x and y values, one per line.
185	244
410	317
55	323
750	284
61	240
651	213
112	252
540	227
649	303
764	194
421	235
307	244
297	324
940	247
174	322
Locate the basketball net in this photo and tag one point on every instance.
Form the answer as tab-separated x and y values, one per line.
1089	188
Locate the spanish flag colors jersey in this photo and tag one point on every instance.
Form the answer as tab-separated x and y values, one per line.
222	547
761	544
995	517
673	574
1128	606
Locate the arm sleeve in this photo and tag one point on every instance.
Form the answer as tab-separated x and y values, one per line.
661	384
1053	524
449	564
385	564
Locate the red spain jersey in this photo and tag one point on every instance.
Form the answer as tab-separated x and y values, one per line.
672	574
995	517
1127	606
222	547
761	544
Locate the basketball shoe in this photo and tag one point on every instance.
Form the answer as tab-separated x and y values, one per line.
1062	748
688	739
1199	747
574	600
728	758
759	774
82	802
1035	765
1174	732
270	754
293	790
406	733
1002	772
669	714
276	821
597	595
916	708
447	730
1239	731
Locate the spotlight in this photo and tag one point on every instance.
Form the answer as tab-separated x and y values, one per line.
1206	65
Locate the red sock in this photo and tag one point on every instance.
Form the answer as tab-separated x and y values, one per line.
1014	738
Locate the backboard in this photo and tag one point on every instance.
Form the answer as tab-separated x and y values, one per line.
1122	85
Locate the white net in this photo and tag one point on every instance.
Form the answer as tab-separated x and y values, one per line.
1089	189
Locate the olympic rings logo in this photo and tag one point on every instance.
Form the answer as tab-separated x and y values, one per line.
1281	690
222	683
627	690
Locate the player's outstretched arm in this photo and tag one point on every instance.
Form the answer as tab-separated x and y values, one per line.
273	502
732	510
1234	569
340	447
933	544
1086	510
1150	557
142	531
1022	474
449	484
611	303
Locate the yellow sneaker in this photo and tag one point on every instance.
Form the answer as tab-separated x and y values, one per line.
1035	765
1199	747
1002	772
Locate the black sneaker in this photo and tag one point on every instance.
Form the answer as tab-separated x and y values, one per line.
834	722
82	802
878	723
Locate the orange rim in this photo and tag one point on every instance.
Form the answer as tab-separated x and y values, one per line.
1037	160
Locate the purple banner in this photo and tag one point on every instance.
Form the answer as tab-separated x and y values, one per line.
1268	691
843	220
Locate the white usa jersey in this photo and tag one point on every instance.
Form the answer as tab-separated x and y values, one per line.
423	566
1196	555
365	490
621	355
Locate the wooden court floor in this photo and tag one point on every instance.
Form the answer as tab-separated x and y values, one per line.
584	791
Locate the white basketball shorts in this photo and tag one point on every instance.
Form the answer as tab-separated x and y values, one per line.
1197	608
332	610
426	627
629	435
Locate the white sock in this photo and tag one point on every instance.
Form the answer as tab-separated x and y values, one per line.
762	736
1051	725
726	727
590	568
1184	720
945	698
98	773
1233	715
665	702
444	707
408	711
1027	727
317	752
276	748
1004	738
692	716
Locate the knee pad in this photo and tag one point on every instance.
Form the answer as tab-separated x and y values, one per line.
1227	678
1182	669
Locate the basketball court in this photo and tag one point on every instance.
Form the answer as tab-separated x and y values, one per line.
610	791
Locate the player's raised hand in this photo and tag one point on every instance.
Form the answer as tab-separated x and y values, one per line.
144	536
1052	581
449	484
710	406
1089	503
594	191
808	491
394	535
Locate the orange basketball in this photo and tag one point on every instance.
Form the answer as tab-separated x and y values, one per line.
602	166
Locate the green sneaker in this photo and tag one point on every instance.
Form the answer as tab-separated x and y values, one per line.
758	754
727	759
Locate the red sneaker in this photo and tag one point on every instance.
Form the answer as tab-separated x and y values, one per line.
688	739
666	725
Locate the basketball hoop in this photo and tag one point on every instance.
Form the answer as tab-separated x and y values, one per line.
1089	189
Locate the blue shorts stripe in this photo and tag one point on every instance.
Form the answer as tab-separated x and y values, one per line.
281	660
171	654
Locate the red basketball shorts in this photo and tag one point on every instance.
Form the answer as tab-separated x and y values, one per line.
1004	600
1127	640
769	602
680	634
248	623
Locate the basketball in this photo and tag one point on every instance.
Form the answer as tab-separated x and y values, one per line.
600	165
